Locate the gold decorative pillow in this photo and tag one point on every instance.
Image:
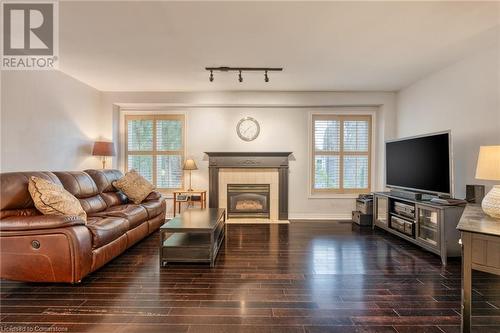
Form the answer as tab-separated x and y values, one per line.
135	186
53	199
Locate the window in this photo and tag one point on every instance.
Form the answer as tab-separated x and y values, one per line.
341	146
154	147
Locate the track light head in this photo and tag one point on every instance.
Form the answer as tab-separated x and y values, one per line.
266	78
211	77
240	78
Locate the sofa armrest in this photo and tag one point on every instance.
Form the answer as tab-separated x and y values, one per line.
37	222
154	196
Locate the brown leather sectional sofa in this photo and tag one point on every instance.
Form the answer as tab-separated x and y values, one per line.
43	248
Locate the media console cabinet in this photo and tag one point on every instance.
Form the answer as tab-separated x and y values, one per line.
430	226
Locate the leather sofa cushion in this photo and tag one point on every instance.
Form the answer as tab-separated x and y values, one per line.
154	207
36	222
155	195
82	186
15	197
104	178
107	252
93	204
155	223
136	234
114	198
135	214
106	229
78	183
19	212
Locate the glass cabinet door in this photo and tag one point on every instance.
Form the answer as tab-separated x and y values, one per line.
428	225
381	209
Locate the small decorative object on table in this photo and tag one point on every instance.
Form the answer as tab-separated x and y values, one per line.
488	168
182	198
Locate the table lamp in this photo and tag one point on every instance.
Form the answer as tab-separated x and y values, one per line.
488	168
103	149
190	165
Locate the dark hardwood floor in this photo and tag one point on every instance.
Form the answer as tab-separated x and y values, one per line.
302	277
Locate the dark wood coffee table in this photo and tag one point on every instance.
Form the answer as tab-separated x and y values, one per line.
194	236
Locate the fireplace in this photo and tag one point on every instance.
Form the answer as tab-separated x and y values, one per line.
248	200
234	168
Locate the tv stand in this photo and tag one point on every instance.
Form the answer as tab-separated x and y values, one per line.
431	226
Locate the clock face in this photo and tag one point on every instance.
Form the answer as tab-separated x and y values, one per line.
248	129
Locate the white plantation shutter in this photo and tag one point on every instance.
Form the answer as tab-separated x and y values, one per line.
155	148
355	172
327	135
140	135
168	134
327	172
356	135
341	149
169	171
142	164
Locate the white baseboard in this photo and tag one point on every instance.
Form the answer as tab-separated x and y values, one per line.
309	217
255	221
298	216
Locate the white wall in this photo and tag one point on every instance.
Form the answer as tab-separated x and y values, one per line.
284	127
463	97
48	122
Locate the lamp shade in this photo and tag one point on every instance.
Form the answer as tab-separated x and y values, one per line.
190	164
103	148
488	163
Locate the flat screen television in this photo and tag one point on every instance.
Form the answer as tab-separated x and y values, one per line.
421	164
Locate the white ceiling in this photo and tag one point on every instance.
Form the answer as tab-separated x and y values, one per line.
157	46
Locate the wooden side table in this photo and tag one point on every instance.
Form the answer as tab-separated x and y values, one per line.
189	194
480	251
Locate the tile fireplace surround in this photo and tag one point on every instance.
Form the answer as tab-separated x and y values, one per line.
250	168
250	176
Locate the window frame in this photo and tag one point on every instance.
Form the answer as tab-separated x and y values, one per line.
314	192
155	152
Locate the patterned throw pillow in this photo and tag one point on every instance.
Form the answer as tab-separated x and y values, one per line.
135	186
53	199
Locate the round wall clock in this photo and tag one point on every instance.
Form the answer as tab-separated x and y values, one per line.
248	129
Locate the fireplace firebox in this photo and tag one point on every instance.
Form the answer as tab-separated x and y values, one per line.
248	200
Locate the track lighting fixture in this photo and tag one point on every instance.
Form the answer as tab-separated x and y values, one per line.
240	71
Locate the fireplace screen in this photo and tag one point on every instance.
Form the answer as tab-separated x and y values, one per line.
248	200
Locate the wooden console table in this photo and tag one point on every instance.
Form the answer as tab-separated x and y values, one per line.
189	194
480	251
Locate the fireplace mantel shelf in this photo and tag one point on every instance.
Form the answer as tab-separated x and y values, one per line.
247	154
